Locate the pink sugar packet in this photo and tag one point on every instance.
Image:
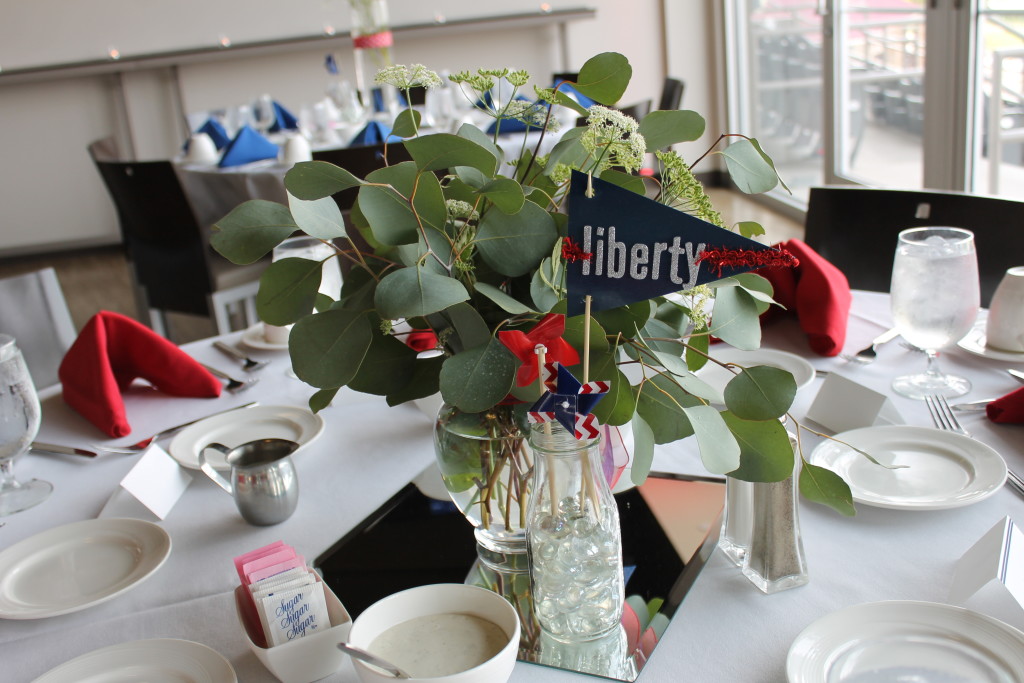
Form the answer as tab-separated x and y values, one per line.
277	557
260	574
253	554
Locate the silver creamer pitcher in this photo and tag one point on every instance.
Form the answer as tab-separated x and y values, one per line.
263	479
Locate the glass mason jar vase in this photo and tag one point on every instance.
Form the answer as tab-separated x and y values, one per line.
573	538
372	41
487	467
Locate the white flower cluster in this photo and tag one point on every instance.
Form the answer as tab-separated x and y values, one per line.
532	114
404	77
613	138
460	209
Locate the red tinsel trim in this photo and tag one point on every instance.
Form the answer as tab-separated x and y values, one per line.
572	252
720	258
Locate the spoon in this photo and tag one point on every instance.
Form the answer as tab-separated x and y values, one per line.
373	660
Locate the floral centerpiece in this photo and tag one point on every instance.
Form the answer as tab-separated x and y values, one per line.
468	241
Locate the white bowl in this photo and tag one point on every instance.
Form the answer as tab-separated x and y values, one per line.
441	598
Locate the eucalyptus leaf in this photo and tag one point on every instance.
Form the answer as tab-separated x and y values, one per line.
322	399
407	123
544	285
411	292
619	404
748	168
576	330
474	134
749	229
568	151
357	290
656	336
320	218
559	97
766	453
675	315
820	485
252	230
443	150
663	129
471	178
506	194
386	367
479	378
604	77
468	325
390	210
424	381
624	320
506	302
735	319
698	345
687	380
643	450
760	393
327	348
660	401
718	448
515	245
768	160
288	290
626	181
318	179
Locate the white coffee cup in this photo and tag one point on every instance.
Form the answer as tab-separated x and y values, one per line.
296	149
274	334
1005	327
201	149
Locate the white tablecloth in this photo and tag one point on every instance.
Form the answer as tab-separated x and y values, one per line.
725	630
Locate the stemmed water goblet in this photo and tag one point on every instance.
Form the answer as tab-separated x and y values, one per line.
19	423
935	300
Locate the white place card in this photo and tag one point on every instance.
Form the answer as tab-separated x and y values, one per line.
842	404
155	484
989	578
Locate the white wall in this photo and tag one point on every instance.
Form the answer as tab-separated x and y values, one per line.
53	199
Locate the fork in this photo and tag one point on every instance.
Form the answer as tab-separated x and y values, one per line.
144	444
248	364
868	355
942	414
233	385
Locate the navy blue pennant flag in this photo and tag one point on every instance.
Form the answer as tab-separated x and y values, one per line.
625	248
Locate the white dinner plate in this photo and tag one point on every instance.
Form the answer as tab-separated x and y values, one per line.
975	343
71	567
161	660
943	469
254	339
718	377
889	642
241	426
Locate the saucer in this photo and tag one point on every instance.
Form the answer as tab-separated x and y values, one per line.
975	342
240	426
254	339
717	377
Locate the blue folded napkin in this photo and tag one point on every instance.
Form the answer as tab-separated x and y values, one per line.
216	131
509	126
283	119
572	92
248	146
374	133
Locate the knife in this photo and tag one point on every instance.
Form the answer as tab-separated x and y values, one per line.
52	448
1017	374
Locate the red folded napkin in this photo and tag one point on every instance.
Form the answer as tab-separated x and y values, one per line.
421	340
819	294
110	353
1009	409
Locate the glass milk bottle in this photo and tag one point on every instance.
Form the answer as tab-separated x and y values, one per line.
573	538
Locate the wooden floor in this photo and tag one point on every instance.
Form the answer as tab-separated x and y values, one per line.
100	279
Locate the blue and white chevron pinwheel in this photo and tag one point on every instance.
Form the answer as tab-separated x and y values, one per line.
570	403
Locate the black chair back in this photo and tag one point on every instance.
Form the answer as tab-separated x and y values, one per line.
856	229
162	239
671	94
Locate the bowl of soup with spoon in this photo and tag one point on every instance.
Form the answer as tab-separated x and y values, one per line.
443	633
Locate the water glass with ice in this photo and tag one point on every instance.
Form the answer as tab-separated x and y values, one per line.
935	300
19	422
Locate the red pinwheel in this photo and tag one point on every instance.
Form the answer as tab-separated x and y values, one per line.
548	332
571	404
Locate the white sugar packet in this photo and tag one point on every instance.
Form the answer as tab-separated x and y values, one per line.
293	613
300	574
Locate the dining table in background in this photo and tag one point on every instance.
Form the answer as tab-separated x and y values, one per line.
724	630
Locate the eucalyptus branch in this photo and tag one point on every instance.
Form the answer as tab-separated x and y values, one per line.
715	144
